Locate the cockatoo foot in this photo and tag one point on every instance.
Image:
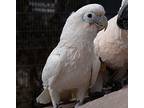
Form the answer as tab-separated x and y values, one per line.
57	106
78	104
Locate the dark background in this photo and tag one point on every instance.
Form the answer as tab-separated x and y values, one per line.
39	25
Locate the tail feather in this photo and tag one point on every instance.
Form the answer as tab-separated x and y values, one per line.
44	97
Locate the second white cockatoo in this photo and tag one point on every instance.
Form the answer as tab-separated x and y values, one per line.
112	47
73	64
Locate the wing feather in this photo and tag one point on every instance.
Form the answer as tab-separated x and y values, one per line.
53	66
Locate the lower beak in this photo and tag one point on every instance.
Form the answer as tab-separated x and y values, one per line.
102	23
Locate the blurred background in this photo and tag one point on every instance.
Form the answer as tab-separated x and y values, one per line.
39	25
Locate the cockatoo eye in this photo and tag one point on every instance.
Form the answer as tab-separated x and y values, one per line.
89	17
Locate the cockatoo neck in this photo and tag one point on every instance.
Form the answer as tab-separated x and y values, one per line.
79	32
79	36
115	29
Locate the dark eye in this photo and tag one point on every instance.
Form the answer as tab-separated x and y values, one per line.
89	15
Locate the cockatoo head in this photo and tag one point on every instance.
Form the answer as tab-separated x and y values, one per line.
86	22
93	14
122	19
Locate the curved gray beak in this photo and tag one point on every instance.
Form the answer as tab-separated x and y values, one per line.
102	23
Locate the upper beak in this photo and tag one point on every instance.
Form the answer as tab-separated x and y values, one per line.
102	23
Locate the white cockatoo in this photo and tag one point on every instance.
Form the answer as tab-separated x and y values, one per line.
112	47
73	64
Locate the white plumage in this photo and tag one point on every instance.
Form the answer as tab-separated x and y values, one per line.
112	46
73	64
